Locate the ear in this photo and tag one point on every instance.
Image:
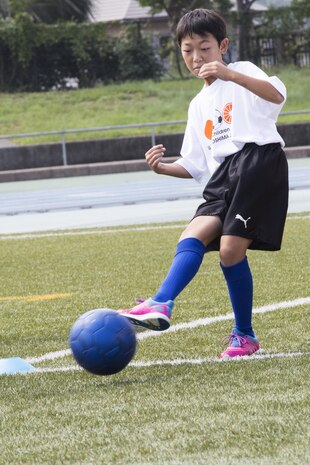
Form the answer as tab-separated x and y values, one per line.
224	46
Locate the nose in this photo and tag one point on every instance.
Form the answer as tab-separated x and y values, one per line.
197	56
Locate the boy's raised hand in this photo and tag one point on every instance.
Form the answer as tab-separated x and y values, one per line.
154	157
260	87
214	69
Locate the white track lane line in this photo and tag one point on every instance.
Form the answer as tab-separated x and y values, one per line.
99	231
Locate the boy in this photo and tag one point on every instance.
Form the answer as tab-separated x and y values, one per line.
231	133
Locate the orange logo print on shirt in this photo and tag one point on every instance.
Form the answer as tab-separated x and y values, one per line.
227	117
209	129
219	117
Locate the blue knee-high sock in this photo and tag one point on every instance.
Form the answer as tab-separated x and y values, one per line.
240	286
187	260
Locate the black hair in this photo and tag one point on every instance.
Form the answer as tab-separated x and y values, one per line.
201	22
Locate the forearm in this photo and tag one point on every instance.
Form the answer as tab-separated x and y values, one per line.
172	169
154	157
259	87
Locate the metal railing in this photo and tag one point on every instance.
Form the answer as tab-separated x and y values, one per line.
151	126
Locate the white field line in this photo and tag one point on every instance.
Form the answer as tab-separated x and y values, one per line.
181	361
190	325
107	231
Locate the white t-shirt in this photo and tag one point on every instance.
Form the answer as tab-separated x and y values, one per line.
223	117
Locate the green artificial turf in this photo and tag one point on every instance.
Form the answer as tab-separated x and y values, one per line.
192	410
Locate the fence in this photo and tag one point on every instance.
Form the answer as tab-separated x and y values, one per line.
269	51
151	126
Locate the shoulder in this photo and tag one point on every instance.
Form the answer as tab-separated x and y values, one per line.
199	95
242	65
195	101
248	68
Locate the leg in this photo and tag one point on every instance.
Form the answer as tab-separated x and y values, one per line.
203	228
189	255
155	313
238	276
233	249
240	286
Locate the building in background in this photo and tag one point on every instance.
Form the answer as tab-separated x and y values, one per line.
266	51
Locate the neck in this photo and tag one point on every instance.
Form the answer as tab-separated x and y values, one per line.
210	80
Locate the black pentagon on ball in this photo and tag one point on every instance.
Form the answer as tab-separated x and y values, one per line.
102	341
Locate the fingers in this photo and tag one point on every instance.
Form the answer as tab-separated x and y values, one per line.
214	68
208	69
155	155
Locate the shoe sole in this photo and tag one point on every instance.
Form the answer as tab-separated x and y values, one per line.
154	322
229	357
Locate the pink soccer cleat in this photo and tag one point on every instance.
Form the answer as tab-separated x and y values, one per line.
239	346
150	314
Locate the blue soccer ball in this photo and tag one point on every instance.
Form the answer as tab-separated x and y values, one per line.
102	341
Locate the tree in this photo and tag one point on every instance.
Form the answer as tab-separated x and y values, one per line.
175	9
302	12
244	19
302	8
137	59
4	8
245	25
287	26
51	11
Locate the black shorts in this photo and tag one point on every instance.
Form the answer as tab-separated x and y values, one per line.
249	192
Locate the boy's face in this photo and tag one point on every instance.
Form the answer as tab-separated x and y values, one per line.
198	50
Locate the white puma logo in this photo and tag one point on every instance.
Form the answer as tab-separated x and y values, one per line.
239	217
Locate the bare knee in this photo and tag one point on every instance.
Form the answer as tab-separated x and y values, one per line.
229	256
233	249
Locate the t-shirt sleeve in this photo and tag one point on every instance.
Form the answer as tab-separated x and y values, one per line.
193	158
254	71
269	109
278	84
